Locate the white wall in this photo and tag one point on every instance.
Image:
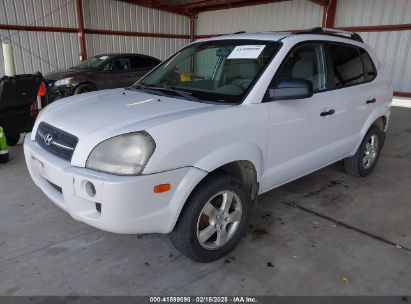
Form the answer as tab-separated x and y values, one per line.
39	51
121	16
286	15
372	12
393	47
394	51
47	51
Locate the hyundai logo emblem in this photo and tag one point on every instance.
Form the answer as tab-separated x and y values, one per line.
48	139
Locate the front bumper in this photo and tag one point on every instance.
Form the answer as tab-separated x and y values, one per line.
128	203
58	92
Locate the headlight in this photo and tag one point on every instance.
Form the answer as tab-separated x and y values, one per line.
125	154
64	82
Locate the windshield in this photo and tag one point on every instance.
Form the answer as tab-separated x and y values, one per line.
217	71
92	62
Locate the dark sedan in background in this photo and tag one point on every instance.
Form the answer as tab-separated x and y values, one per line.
106	71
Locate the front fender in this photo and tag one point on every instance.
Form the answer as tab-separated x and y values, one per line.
234	152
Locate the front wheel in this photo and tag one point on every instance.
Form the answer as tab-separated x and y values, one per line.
84	88
363	162
214	218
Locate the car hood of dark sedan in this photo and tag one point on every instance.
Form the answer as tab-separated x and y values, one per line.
61	74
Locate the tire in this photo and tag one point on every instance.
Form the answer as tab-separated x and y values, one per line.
210	194
84	88
12	139
356	165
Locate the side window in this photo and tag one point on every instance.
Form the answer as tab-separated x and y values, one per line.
141	62
368	65
348	69
118	64
305	62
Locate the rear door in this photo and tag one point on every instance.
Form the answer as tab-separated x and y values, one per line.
300	133
354	98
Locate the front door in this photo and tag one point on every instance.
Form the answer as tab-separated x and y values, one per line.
300	132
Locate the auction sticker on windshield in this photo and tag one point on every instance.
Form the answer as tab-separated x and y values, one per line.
246	52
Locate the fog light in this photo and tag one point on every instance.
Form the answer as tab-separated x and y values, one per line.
90	189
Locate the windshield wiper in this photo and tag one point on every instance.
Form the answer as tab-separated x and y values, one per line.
139	86
163	90
166	88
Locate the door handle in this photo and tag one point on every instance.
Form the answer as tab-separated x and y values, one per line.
372	100
130	75
329	112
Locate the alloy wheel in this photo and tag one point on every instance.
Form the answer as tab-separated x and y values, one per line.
370	151
219	220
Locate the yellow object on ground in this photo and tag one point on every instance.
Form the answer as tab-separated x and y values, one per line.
4	150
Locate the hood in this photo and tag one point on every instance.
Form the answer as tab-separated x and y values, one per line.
107	113
61	74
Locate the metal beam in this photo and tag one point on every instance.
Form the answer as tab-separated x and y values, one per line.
12	27
192	28
373	28
402	94
158	4
81	33
377	28
320	2
135	34
212	5
36	28
329	12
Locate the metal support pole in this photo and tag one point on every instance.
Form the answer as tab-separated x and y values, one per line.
192	27
329	12
81	33
9	63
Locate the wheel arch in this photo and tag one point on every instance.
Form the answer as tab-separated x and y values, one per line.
379	119
243	161
86	82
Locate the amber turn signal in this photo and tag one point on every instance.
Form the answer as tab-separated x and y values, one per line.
162	188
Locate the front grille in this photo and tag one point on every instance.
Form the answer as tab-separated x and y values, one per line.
59	143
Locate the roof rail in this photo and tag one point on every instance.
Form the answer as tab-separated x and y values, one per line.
332	32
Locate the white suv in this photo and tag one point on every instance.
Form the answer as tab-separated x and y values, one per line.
189	147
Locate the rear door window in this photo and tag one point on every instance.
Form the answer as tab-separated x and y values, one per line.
368	65
118	64
347	65
141	62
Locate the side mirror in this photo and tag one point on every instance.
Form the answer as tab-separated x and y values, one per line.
291	89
